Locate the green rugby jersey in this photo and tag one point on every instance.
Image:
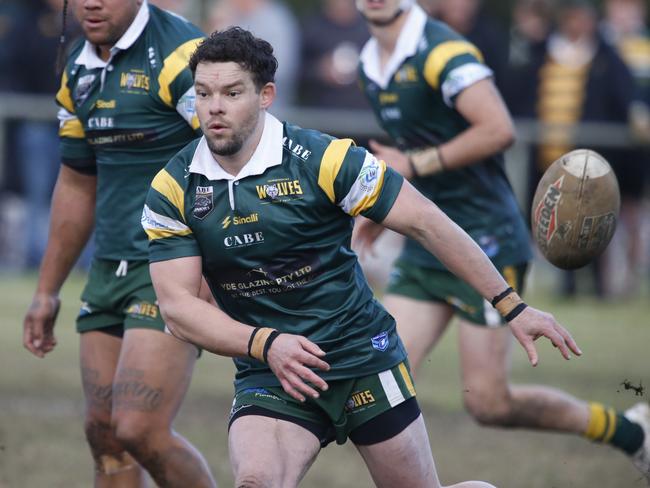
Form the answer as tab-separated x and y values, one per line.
125	118
413	99
275	242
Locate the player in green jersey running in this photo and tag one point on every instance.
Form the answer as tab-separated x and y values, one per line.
126	106
264	211
434	96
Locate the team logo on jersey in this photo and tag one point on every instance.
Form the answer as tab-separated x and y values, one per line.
203	202
134	81
380	341
280	190
406	74
82	90
237	220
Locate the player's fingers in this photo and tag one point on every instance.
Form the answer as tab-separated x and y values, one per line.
308	375
300	386
529	347
558	341
290	390
33	337
311	348
568	338
312	361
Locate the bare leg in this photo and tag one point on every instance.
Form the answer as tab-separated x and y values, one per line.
420	325
152	378
99	353
411	463
491	400
270	453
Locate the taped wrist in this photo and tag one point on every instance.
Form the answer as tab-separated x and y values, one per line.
509	304
427	161
260	341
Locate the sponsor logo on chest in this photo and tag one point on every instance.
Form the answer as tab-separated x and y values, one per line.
243	240
238	220
295	149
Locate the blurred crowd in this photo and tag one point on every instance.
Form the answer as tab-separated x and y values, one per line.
559	62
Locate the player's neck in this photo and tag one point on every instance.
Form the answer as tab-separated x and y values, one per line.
387	35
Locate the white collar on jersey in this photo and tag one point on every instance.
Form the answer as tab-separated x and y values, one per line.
88	56
407	45
267	154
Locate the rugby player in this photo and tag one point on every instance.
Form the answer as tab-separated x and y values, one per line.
434	96
126	106
264	211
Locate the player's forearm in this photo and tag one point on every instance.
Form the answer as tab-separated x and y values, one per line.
475	144
71	223
194	320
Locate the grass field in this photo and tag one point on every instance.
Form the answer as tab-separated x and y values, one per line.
42	443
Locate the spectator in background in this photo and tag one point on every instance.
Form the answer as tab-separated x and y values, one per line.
332	39
532	21
577	78
624	26
467	18
270	20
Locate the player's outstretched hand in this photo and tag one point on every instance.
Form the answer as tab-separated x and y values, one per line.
531	324
393	157
290	357
364	235
38	326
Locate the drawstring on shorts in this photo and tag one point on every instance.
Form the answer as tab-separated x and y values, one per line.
122	269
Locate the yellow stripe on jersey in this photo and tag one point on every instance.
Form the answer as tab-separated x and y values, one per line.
154	234
442	54
72	128
172	66
330	165
369	200
406	376
195	122
63	95
166	185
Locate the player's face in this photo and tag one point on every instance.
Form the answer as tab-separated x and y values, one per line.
105	21
378	10
228	105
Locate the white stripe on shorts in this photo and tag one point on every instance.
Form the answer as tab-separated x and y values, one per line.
391	388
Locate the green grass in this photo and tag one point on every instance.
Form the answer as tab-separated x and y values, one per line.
42	444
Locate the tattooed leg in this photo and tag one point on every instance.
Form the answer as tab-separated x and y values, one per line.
114	467
152	378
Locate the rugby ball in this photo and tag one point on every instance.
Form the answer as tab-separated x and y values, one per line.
575	209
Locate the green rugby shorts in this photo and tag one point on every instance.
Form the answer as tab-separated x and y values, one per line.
109	300
440	285
345	406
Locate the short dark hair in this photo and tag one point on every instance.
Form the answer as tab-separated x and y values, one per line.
240	46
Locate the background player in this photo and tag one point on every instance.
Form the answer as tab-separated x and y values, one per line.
434	96
126	101
264	211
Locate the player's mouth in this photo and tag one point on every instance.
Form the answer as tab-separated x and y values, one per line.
217	128
93	22
375	4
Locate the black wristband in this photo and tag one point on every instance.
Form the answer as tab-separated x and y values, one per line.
501	296
250	340
267	345
515	311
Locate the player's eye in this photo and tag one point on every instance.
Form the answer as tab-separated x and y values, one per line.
201	94
233	93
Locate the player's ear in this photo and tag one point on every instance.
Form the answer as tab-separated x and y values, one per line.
267	95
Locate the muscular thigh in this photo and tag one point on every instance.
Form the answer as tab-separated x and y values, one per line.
270	452
99	354
153	375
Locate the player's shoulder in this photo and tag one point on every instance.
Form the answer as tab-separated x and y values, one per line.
315	147
71	66
170	30
178	167
439	37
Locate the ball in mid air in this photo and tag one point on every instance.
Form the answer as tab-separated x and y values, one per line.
575	209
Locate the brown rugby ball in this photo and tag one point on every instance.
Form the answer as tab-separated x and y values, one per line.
575	209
